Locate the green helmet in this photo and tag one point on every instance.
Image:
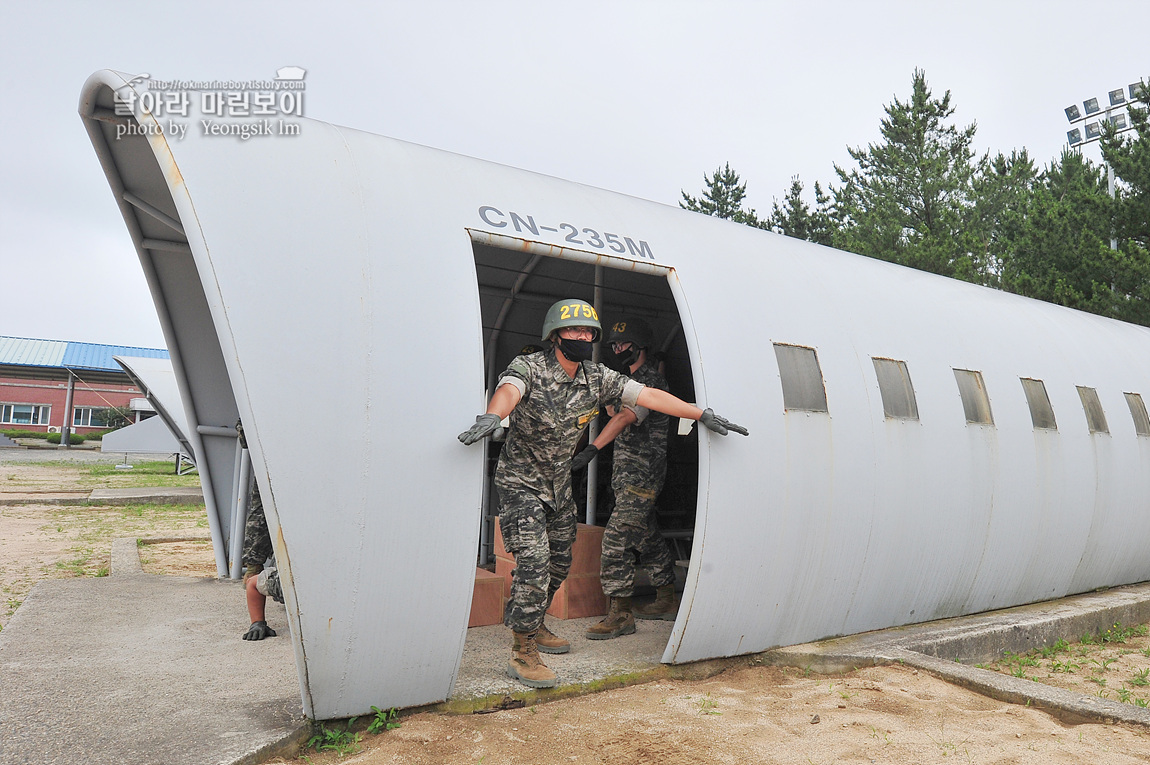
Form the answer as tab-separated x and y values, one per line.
571	313
634	331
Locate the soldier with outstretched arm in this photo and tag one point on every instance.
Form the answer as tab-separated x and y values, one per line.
550	397
632	540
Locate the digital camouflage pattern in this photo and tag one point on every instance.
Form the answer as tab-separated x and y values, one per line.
639	467
257	538
533	478
540	537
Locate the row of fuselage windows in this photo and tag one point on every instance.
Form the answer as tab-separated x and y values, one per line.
803	389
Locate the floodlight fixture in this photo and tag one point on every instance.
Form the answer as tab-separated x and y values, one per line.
1118	121
1136	89
1091	106
1072	112
1074	136
1117	97
1093	130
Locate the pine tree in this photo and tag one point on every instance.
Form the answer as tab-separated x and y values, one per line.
1129	156
1002	193
911	196
722	198
1061	251
797	220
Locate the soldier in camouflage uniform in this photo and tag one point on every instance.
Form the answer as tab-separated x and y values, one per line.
639	465
550	396
258	583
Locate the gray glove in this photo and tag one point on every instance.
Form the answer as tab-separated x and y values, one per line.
259	631
714	422
485	425
583	458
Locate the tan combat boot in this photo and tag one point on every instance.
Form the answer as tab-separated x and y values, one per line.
526	666
548	642
663	607
618	621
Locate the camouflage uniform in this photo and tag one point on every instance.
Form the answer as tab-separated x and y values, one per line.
537	512
640	463
257	538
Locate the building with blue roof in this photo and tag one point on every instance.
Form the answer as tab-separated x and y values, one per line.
57	385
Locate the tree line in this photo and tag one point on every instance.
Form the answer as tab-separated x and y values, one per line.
921	197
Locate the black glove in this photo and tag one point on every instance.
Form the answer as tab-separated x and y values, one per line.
583	458
714	422
259	631
485	425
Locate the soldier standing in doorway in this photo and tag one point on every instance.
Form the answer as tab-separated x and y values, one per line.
550	396
638	469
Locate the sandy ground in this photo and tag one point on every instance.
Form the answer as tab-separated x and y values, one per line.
750	714
758	715
43	541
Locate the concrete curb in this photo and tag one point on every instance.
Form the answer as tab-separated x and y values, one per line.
946	649
1070	706
175	495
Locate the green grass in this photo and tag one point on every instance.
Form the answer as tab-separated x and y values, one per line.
104	475
91	529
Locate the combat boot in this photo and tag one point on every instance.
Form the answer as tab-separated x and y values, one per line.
619	621
526	666
548	642
663	607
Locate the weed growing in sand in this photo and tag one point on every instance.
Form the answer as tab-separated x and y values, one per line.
1102	664
384	720
708	707
948	747
345	741
1060	646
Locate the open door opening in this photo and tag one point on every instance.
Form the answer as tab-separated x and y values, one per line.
518	281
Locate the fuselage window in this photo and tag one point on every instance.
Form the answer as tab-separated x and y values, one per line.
1095	417
898	402
802	378
975	402
1041	413
1138	412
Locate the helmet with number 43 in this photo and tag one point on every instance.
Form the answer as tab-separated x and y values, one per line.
571	313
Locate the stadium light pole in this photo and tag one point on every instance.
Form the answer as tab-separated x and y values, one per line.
1113	113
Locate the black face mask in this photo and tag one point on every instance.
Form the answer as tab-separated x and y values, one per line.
576	350
624	359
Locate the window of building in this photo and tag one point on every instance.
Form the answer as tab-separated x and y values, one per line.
90	417
975	402
24	414
1095	417
802	378
894	384
1138	412
1041	412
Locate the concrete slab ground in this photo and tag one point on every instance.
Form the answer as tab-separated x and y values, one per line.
141	669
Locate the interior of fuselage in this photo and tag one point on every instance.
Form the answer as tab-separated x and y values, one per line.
516	287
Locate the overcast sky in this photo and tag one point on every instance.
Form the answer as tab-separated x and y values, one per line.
637	97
